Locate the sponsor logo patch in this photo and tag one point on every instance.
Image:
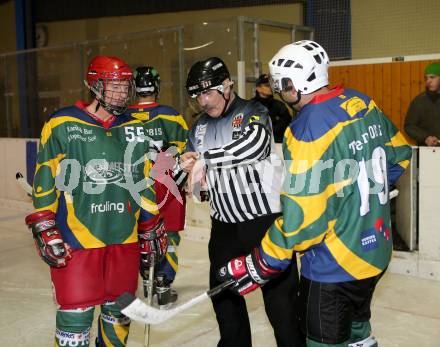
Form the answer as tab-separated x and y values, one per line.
47	224
200	134
236	135
216	66
369	240
353	106
237	121
238	263
254	118
381	228
107	206
223	271
205	84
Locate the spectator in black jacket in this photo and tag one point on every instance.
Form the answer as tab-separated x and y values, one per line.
278	112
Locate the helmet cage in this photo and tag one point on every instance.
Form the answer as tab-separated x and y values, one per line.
110	81
280	84
305	63
113	94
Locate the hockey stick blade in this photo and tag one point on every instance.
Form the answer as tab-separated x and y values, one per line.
138	311
23	183
393	194
125	300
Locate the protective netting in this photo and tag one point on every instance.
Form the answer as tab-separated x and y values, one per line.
332	23
394	28
354	29
35	83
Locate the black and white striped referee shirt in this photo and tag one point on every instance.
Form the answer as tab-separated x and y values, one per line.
244	174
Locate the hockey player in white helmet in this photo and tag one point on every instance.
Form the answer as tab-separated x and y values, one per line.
338	223
297	71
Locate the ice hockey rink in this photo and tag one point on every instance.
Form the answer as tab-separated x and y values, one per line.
406	309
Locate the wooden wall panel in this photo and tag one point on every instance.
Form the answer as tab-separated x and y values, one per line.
415	78
395	113
369	76
378	83
386	90
391	85
405	92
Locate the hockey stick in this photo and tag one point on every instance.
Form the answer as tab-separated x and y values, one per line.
150	288
393	194
137	310
23	183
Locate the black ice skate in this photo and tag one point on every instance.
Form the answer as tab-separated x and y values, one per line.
166	296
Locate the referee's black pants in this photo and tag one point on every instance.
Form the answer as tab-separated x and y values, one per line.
229	240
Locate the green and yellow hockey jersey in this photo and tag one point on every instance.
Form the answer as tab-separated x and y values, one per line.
342	154
166	130
163	124
93	177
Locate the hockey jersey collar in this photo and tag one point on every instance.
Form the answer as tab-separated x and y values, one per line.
144	106
334	92
105	124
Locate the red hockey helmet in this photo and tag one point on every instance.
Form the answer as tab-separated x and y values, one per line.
111	81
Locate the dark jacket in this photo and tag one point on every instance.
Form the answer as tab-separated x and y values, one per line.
423	117
279	114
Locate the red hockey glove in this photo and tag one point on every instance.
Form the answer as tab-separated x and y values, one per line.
152	240
50	245
250	272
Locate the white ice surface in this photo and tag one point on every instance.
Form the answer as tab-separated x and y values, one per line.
406	310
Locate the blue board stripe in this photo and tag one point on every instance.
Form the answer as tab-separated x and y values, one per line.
31	160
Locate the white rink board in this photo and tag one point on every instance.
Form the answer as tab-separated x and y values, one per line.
12	159
429	208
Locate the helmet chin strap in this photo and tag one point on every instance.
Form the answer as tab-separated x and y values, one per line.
226	104
226	100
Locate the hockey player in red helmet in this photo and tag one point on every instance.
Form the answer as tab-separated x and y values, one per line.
88	217
111	84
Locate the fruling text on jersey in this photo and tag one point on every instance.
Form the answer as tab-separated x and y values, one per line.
107	207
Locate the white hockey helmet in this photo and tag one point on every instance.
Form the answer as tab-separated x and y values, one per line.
305	63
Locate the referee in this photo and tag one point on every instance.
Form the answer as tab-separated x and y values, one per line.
234	143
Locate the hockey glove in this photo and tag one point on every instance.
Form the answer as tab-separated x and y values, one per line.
152	240
48	240
250	272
